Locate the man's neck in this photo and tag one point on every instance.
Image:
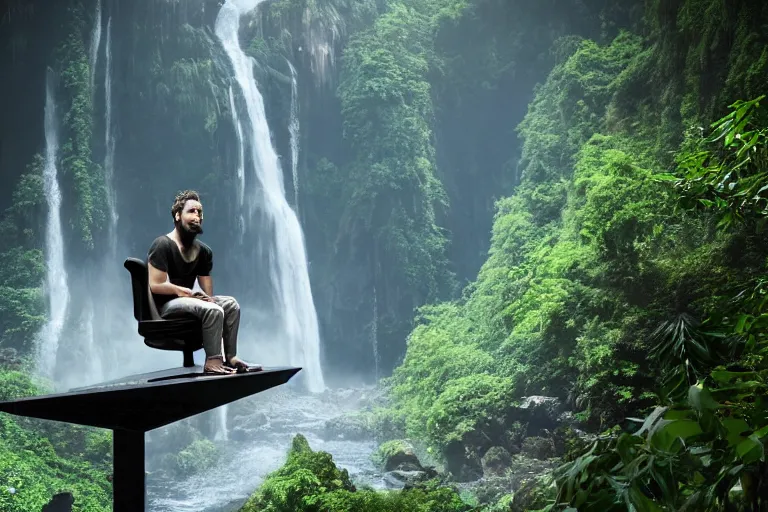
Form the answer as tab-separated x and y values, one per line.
184	240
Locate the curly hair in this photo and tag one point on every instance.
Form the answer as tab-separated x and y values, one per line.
181	199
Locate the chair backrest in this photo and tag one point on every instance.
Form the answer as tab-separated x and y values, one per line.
143	304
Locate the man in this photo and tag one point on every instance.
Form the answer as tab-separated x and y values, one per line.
175	260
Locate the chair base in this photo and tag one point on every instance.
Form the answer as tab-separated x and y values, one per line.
189	361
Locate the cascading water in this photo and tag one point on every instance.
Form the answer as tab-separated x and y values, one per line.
288	273
109	139
89	363
240	163
56	274
324	27
293	129
95	42
375	335
91	357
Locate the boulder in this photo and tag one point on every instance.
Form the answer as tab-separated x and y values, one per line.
61	502
462	462
399	479
353	427
397	455
496	461
172	438
491	489
540	448
192	459
250	421
539	412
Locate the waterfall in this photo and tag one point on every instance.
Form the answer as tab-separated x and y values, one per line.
293	129
288	272
91	358
324	27
240	162
95	42
109	139
56	274
221	429
375	335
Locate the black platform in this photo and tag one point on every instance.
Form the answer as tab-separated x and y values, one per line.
136	404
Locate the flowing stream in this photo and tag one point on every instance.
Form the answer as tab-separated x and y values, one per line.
263	427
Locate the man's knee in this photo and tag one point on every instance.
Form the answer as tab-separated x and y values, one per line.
229	304
214	312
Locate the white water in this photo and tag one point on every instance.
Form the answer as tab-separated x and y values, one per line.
323	34
288	273
375	335
91	358
293	129
109	139
95	42
261	430
56	274
240	163
222	432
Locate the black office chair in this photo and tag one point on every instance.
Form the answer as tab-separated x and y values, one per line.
183	333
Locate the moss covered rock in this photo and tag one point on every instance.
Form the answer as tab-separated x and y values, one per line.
538	448
496	461
310	482
397	455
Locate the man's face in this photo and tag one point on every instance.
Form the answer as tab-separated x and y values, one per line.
190	219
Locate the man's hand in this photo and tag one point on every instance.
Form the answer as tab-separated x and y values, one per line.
184	292
203	296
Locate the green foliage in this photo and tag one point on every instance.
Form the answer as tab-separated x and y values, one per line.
310	481
390	449
550	309
22	304
392	194
465	405
588	256
85	178
21	222
435	357
709	437
731	176
295	486
200	454
39	459
21	316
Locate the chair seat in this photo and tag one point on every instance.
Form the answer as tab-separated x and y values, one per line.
172	334
184	333
172	328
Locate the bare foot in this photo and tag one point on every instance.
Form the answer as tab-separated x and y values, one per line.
242	367
216	365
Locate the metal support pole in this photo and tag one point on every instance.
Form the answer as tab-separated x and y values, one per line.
128	482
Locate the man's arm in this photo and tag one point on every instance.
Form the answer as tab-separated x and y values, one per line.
159	284
206	284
